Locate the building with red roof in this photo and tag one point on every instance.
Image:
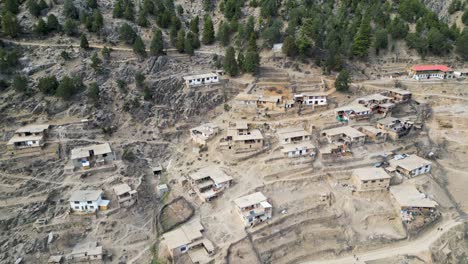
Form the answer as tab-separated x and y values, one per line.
428	72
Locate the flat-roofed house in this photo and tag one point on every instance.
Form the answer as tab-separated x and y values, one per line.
370	179
344	134
290	135
430	72
375	135
203	133
188	238
317	99
30	136
253	208
201	79
396	128
377	103
356	112
92	155
210	182
252	140
411	202
411	166
88	201
125	195
246	99
299	149
271	102
461	73
399	95
334	150
87	252
241	128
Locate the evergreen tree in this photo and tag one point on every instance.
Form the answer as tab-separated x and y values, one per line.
20	84
96	62
465	17
342	81
92	4
69	10
436	42
142	21
94	93
52	23
68	87
128	12
252	61
240	60
105	52
10	25
84	42
139	47
195	42
48	85
34	8
127	33
139	80
380	40
224	33
194	25
173	35
461	46
208	31
11	6
398	28
118	10
70	27
188	48
230	63
289	47
98	21
40	29
362	39
43	5
180	41
147	95
157	44
207	6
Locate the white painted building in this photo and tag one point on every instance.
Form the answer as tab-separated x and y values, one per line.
253	208
88	201
311	98
299	149
201	79
410	166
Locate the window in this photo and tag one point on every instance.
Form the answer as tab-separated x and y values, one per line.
77	207
364	181
76	202
183	249
91	207
89	202
373	181
104	155
381	180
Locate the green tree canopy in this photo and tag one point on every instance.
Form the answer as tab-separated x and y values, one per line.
342	81
230	62
10	25
139	47
157	44
84	42
289	47
127	34
461	46
20	83
208	31
48	85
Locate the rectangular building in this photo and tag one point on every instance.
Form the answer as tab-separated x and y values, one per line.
396	128
344	134
253	208
290	135
210	182
125	196
299	150
88	201
411	202
252	140
399	95
88	252
201	79
203	133
411	166
91	156
353	112
431	72
30	136
370	179
317	99
373	134
333	151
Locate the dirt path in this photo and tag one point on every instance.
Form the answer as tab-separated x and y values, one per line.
402	248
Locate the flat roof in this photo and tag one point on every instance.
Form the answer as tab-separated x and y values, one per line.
290	132
431	68
407	195
353	107
311	94
86	195
251	199
297	146
410	163
270	98
91	248
366	174
347	130
199	255
329	147
83	152
121	189
33	128
373	130
197	76
183	235
247	97
374	97
205	127
254	134
400	91
387	120
242	125
17	138
214	172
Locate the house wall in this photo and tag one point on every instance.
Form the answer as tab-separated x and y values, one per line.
28	144
242	145
298	153
371	185
200	81
425	75
84	206
290	140
315	100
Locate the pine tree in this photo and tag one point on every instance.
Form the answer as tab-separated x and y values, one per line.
84	42
194	25
223	33
70	27
230	63
40	29
194	40
69	10
92	4
157	44
117	12
461	46
11	6
380	40
105	52
139	47
240	60
94	93
208	31
361	42
180	41
127	33
207	6
52	23
342	81
10	25
20	83
142	21
96	62
128	12
48	85
34	8
251	61
188	48
289	47
98	21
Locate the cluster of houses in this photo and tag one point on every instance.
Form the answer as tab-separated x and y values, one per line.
278	102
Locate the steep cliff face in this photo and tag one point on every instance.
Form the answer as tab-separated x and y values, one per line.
440	7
